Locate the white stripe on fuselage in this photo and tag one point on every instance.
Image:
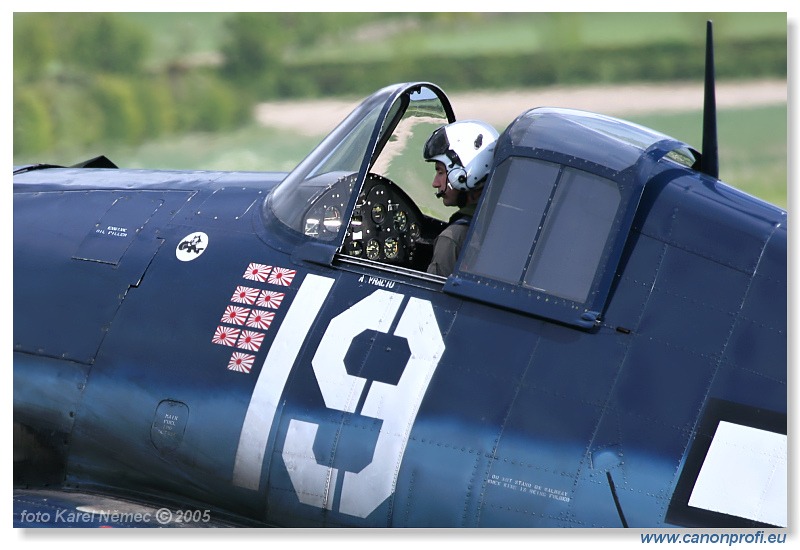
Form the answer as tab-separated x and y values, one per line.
744	474
272	379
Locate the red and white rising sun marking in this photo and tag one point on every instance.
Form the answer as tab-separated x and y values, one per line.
281	276
235	315
257	319
245	295
257	272
226	336
260	319
250	340
270	299
241	362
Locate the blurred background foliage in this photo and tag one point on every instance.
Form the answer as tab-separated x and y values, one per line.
89	81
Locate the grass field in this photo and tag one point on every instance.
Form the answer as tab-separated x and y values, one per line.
532	32
752	146
177	34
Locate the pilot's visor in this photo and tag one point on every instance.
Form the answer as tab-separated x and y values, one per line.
437	145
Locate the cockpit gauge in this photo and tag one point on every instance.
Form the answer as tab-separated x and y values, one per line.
373	249
400	220
378	213
354	248
390	248
333	219
311	228
414	231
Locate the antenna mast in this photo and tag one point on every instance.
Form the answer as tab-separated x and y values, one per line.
709	161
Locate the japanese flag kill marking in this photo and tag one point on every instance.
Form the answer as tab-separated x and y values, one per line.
250	340
235	315
270	299
245	295
255	319
281	276
257	272
226	336
260	319
241	362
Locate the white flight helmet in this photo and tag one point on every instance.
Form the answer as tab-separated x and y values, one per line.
466	149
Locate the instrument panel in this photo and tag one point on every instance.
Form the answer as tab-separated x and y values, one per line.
385	225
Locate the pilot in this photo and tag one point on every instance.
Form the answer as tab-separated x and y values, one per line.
462	152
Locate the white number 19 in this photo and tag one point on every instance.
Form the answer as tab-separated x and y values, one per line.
397	406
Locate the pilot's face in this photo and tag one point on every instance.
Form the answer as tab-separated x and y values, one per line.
448	195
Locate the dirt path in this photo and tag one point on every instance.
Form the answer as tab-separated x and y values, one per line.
317	117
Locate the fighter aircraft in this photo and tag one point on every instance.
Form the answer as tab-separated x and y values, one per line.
267	349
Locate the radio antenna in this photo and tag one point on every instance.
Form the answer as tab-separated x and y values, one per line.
709	160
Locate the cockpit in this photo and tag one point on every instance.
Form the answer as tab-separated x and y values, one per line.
549	230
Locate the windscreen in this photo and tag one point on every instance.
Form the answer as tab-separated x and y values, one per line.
339	154
333	165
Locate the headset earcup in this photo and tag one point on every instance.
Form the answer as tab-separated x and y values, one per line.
457	178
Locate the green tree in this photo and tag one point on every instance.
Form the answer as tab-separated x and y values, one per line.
123	119
104	42
157	107
34	46
254	43
33	129
208	104
256	46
